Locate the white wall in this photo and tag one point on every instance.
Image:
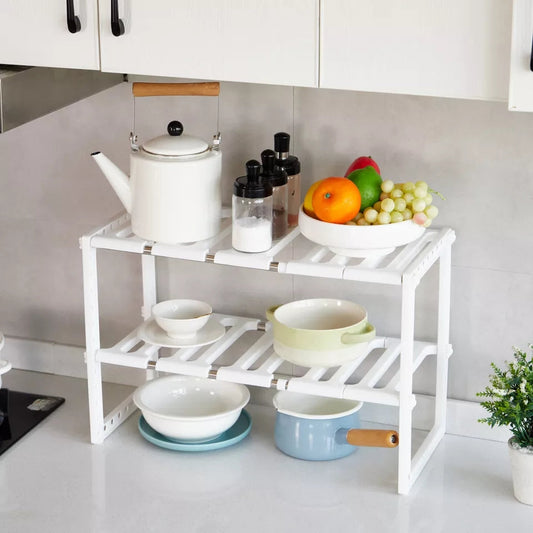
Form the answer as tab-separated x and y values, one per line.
475	153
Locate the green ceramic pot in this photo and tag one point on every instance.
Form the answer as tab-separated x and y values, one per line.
319	325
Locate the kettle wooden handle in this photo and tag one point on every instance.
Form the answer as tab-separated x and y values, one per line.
384	438
208	88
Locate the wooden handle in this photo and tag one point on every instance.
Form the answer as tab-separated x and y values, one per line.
208	88
384	438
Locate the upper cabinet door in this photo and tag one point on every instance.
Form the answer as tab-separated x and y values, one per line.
452	48
521	79
258	41
37	33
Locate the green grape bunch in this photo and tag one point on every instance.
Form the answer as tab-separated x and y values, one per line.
399	202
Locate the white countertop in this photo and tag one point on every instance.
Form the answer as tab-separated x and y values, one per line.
54	480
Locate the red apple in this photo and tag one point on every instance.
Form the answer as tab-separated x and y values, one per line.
362	162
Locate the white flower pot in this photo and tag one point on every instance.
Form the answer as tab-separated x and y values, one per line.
522	471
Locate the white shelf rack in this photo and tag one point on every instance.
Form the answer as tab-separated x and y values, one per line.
384	375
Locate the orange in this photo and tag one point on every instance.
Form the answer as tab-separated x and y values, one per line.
336	200
308	200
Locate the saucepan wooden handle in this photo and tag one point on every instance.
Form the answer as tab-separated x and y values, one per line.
384	438
208	88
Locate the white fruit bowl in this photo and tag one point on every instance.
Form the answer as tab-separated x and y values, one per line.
359	241
190	409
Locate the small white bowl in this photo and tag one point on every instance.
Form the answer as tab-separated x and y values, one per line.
359	241
181	319
190	409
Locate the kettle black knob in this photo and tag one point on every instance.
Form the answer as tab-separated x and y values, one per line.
175	128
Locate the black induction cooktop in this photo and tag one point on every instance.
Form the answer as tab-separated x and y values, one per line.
20	412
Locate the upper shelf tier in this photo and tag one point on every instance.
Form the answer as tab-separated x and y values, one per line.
293	254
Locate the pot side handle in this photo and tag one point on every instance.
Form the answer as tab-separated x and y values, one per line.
270	313
383	438
355	338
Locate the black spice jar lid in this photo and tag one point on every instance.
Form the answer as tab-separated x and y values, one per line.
252	185
276	175
291	165
282	142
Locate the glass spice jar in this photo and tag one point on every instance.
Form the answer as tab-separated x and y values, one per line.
252	211
280	193
291	165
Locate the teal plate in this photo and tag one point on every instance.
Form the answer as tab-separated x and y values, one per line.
234	434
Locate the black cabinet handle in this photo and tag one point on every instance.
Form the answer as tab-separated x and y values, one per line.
73	22
117	26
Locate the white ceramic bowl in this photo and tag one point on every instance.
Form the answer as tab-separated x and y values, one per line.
359	241
181	319
190	409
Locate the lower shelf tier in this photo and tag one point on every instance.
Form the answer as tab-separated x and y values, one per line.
244	354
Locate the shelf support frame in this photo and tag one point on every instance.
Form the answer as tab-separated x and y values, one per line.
116	236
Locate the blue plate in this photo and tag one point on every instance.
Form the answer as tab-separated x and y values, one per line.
234	434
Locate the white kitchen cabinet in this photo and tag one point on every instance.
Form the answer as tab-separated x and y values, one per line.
449	48
383	375
37	34
259	41
521	78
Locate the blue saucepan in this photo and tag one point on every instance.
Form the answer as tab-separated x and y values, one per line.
319	429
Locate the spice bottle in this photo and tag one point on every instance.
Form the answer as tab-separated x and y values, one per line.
291	165
252	211
280	193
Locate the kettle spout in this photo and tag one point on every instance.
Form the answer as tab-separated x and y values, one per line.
118	180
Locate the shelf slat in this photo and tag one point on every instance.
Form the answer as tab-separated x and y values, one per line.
311	259
382	356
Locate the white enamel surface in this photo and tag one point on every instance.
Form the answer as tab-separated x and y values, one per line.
467	487
181	318
320	314
176	200
359	241
190	409
175	145
324	358
308	406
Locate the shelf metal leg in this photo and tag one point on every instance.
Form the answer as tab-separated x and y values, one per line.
92	340
443	337
438	430
405	414
409	469
149	284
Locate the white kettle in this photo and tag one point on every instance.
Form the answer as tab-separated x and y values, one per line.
174	192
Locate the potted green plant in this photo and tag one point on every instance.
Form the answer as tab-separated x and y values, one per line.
509	400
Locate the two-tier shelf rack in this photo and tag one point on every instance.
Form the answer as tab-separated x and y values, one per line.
257	364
